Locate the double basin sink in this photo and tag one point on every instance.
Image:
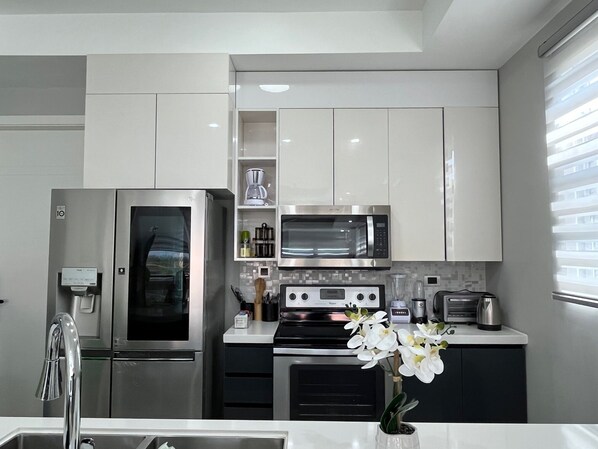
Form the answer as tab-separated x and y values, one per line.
54	441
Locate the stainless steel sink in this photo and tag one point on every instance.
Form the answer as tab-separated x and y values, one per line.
54	441
216	442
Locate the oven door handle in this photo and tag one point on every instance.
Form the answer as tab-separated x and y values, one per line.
313	351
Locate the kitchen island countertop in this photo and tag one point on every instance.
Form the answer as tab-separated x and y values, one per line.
332	435
262	332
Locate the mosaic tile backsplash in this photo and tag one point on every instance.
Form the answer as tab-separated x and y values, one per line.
452	276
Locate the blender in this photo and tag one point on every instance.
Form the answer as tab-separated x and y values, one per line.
399	311
256	193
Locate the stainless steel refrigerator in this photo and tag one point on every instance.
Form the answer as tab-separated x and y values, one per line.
142	272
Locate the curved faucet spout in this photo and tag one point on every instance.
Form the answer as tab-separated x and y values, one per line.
63	328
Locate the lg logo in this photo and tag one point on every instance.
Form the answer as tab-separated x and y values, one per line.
60	212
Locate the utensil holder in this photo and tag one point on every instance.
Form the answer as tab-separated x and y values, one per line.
270	311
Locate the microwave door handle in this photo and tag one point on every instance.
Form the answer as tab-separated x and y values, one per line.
370	223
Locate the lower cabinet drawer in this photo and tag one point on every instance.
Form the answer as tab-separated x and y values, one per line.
247	390
248	412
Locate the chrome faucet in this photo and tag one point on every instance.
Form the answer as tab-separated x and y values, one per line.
50	386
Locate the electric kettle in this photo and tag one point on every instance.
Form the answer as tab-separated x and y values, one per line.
488	313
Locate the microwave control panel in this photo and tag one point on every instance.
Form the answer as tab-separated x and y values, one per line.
380	236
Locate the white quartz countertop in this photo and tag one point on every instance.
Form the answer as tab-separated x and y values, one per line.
258	332
332	435
262	332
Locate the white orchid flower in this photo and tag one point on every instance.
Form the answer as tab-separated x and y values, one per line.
355	341
381	337
406	338
356	322
428	332
432	359
368	356
416	364
378	317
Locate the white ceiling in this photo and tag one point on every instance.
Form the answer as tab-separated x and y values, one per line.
274	35
201	6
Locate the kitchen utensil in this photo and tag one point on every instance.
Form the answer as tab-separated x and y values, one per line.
260	287
256	193
238	294
488	313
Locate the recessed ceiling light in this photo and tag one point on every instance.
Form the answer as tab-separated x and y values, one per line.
274	88
214	125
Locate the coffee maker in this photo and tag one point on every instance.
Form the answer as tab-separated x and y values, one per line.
256	194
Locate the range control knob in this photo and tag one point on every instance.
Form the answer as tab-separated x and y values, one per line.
372	297
292	296
304	296
359	296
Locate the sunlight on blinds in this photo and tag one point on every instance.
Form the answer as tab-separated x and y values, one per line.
571	83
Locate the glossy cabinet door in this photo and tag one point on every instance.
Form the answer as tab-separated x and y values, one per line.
305	156
192	144
416	177
119	141
472	183
361	156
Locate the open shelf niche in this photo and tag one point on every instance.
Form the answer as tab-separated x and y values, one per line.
257	147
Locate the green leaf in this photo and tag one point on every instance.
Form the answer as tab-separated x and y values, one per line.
396	407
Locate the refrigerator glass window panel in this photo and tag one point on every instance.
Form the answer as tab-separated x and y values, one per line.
159	264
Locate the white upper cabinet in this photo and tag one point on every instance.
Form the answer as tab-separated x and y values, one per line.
305	156
472	182
158	73
192	147
158	121
360	156
416	189
119	141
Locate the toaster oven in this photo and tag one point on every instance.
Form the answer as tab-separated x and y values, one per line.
456	307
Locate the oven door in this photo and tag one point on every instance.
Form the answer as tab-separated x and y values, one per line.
327	385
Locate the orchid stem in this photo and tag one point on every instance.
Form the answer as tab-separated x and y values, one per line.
397	382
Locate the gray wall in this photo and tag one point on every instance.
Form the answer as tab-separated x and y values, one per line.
42	85
562	363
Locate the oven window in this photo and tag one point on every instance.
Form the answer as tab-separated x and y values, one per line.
336	393
324	237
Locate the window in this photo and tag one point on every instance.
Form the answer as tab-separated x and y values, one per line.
571	87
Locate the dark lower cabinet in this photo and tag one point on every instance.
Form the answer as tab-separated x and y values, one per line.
494	385
439	401
248	381
479	384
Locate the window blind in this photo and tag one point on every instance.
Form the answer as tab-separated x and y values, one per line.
571	91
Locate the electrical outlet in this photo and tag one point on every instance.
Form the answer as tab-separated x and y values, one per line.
264	272
431	281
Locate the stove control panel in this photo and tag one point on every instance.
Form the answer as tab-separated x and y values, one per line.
332	296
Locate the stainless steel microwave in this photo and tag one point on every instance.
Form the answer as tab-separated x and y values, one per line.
334	237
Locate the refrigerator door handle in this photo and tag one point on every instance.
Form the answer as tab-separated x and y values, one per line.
154	359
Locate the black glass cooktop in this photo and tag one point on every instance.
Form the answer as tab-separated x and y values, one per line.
312	335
